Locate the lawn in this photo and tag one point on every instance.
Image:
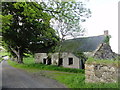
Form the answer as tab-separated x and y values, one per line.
3	53
71	78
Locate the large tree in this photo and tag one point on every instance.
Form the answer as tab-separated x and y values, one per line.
26	28
67	16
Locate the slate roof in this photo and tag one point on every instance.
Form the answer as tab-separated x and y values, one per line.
85	44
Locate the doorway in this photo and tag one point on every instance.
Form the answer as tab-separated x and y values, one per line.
49	61
44	61
60	62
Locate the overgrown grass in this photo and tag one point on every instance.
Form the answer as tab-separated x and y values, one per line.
72	78
77	80
30	64
91	60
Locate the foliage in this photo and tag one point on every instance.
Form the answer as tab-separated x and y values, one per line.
81	55
30	64
67	16
107	39
26	29
4	53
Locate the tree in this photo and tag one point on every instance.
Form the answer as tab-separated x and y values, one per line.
107	39
25	28
67	15
67	18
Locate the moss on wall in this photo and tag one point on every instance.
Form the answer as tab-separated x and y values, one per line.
113	62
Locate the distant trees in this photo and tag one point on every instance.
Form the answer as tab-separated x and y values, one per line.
25	28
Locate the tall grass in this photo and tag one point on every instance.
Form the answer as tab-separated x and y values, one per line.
77	80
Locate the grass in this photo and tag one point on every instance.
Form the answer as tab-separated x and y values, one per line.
72	78
77	80
30	64
91	60
3	53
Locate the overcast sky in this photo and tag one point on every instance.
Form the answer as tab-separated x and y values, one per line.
104	17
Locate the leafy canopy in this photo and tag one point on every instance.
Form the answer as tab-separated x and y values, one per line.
25	28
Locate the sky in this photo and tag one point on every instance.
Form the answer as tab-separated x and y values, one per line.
104	17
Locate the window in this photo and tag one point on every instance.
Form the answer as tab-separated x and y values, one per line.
70	61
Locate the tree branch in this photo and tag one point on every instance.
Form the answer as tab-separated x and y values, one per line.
14	50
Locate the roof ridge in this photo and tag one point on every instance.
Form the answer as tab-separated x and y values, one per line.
84	37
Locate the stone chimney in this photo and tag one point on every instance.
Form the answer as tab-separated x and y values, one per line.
106	33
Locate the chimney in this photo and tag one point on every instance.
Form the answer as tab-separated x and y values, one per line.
106	33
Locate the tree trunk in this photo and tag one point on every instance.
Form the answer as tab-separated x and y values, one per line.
19	56
59	51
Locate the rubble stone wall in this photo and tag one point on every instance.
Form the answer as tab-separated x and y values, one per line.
101	73
104	51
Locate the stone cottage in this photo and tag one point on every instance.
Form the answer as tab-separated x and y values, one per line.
67	58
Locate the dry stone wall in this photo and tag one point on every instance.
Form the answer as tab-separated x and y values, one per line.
101	73
104	51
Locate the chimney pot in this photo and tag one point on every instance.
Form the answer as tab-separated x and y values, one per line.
106	32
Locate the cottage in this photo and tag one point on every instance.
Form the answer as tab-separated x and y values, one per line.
67	58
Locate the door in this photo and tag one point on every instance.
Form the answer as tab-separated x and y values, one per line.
44	61
60	63
49	61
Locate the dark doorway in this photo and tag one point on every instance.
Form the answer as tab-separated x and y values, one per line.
82	63
49	61
44	61
60	62
70	61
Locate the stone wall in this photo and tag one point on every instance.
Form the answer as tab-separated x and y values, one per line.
55	59
39	57
76	60
101	73
104	51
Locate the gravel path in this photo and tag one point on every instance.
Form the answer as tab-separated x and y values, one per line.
16	78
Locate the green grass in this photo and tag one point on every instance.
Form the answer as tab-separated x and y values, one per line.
77	80
30	64
1	59
91	60
72	78
3	53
